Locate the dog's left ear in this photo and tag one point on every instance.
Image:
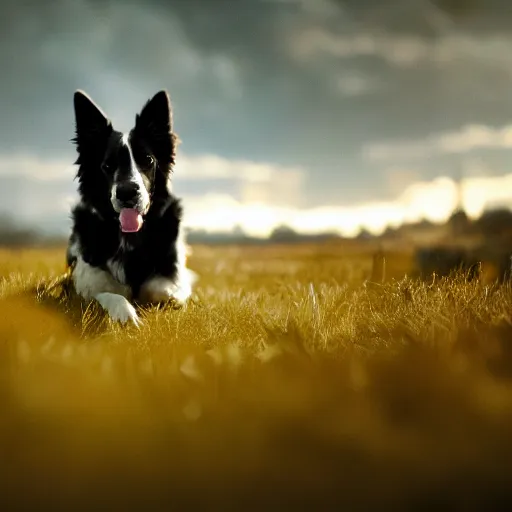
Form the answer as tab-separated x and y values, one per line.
92	123
154	123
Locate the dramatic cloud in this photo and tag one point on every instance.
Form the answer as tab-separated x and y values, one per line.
434	201
282	105
406	51
44	201
35	187
36	168
467	139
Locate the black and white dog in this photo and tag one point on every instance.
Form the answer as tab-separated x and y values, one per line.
126	242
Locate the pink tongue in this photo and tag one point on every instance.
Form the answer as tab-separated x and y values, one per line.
131	220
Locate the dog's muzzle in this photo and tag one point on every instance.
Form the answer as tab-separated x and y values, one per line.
131	204
128	195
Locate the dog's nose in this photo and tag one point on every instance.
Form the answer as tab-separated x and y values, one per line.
127	192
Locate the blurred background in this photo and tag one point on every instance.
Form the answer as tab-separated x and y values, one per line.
298	118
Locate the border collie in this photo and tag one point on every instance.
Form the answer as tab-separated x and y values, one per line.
126	243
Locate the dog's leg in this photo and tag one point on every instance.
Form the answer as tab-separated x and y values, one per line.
161	289
93	283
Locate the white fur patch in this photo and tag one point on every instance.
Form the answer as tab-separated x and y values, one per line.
118	308
89	281
74	249
162	289
135	177
182	249
94	283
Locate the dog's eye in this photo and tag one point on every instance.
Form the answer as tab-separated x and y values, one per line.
149	160
106	167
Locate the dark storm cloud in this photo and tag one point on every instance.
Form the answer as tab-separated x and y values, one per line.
241	87
318	124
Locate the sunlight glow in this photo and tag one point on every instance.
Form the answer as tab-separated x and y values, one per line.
434	201
269	196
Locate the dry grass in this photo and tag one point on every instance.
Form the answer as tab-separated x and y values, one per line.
287	380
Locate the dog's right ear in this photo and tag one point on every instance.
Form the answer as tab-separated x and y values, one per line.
91	122
154	124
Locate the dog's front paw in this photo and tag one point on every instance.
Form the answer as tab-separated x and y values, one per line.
118	308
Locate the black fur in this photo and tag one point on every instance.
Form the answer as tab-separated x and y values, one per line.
153	250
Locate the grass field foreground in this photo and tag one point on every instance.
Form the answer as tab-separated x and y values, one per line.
288	379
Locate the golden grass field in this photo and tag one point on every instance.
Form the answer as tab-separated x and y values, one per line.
288	381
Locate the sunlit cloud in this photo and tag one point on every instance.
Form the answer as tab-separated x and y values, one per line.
481	192
404	51
216	167
468	138
47	190
434	201
36	168
257	183
355	84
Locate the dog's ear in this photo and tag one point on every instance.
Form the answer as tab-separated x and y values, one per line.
91	122
156	116
154	123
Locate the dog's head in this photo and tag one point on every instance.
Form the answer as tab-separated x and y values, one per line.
121	174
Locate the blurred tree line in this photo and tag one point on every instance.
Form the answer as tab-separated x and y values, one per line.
13	234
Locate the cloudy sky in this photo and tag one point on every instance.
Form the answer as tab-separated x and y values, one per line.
324	114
